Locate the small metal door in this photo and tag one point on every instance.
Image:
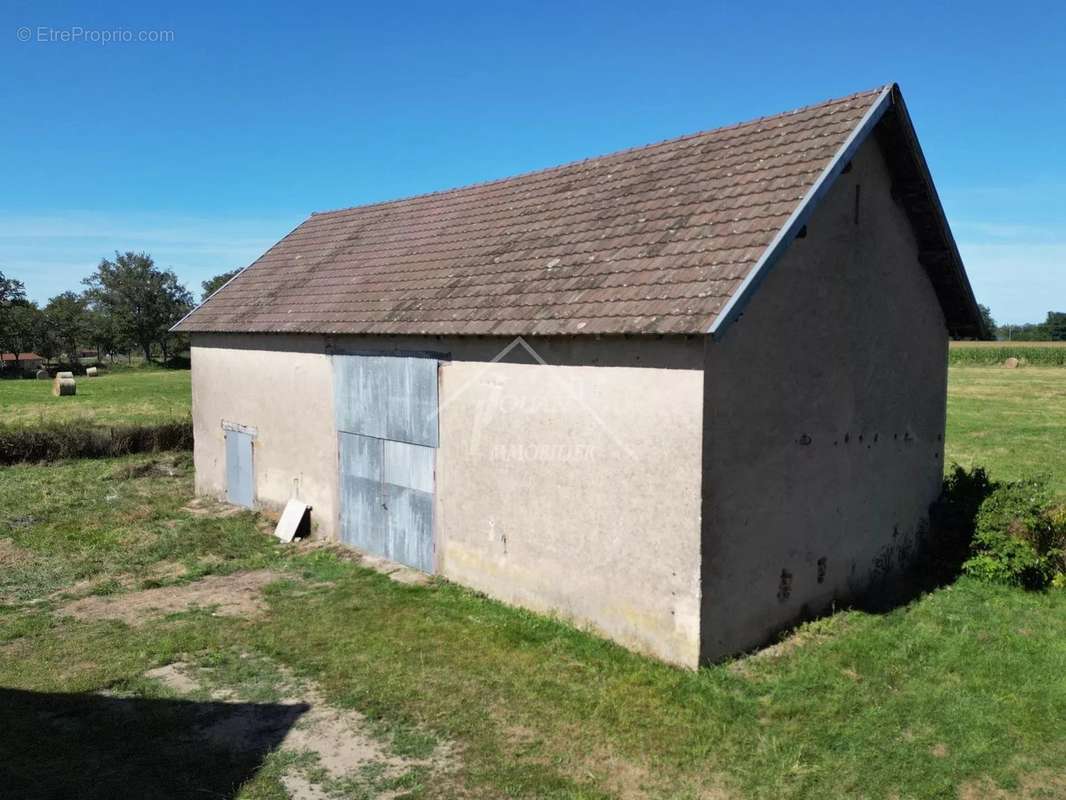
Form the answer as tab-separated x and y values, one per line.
386	419
240	472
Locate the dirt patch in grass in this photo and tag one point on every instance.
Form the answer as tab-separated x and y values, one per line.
166	571
209	507
174	676
168	467
160	572
394	571
329	752
237	595
1043	784
11	554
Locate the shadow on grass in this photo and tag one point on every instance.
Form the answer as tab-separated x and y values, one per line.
93	746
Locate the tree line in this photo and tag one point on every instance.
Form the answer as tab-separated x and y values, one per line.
1052	329
127	305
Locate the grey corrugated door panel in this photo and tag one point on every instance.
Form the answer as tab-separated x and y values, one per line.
409	527
411	402
357	396
409	465
362	493
387	498
389	397
408	482
240	473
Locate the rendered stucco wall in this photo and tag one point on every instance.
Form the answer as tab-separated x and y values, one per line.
570	487
576	490
282	386
825	407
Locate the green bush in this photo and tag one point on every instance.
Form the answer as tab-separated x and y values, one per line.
1018	537
77	440
952	520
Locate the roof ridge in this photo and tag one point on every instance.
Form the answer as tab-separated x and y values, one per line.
623	151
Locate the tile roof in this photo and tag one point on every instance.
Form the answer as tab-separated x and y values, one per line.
650	240
21	357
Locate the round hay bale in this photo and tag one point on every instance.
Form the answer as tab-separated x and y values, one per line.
42	375
64	387
65	375
91	372
1011	363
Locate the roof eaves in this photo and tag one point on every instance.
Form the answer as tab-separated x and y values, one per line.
733	309
947	245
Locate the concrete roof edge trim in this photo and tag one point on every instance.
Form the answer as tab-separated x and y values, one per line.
733	309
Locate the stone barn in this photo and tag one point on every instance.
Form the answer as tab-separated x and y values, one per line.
682	395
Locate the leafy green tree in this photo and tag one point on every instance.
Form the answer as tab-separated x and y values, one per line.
22	329
67	319
142	300
12	292
1056	326
1053	329
1028	332
101	330
48	346
990	323
212	285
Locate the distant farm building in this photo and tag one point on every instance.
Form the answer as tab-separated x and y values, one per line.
683	394
26	362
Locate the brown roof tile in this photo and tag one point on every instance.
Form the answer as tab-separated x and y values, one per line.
650	240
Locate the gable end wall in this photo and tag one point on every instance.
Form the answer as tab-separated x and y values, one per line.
824	420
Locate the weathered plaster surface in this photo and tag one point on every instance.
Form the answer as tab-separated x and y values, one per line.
570	487
576	490
282	386
825	409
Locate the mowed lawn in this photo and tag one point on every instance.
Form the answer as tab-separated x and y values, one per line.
959	694
1012	421
136	396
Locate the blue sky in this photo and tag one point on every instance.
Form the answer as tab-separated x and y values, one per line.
206	149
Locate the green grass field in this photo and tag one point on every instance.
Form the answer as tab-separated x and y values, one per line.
1011	421
962	688
126	397
959	694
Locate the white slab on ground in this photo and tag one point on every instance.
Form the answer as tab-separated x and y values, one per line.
290	520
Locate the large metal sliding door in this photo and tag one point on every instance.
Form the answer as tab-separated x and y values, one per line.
386	410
